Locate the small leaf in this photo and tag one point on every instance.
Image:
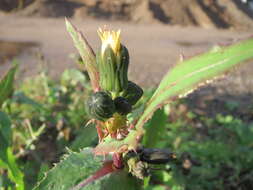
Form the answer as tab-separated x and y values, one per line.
6	84
86	53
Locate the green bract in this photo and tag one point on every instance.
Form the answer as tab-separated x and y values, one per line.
100	106
113	69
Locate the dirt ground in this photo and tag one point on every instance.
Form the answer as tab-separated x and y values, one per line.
203	13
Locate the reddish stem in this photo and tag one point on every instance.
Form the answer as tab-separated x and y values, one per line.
99	132
117	160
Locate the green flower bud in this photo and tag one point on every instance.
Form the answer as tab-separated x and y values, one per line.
133	93
100	106
113	61
122	106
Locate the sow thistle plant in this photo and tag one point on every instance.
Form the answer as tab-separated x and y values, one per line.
120	161
117	95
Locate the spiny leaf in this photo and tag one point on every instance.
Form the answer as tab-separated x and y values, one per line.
86	53
197	71
80	167
74	167
6	84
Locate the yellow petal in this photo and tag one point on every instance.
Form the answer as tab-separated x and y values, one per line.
110	38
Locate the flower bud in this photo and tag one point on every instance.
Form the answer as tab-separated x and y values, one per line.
100	106
133	93
113	61
122	106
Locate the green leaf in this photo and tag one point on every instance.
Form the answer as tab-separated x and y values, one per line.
6	84
115	181
7	159
87	137
5	131
86	53
77	167
155	129
14	173
73	169
190	74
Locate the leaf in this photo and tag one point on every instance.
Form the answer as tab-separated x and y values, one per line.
155	129
192	73
74	168
6	84
115	181
87	137
5	131
7	159
86	53
79	167
14	173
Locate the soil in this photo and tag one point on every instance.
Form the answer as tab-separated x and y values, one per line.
204	13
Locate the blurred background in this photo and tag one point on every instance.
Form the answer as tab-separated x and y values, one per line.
155	31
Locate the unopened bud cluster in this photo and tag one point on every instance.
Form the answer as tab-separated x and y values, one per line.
117	95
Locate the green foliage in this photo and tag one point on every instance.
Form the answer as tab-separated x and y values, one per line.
222	145
79	165
7	159
86	53
6	84
155	129
86	137
45	116
115	181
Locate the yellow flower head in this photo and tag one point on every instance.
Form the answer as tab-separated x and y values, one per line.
110	38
